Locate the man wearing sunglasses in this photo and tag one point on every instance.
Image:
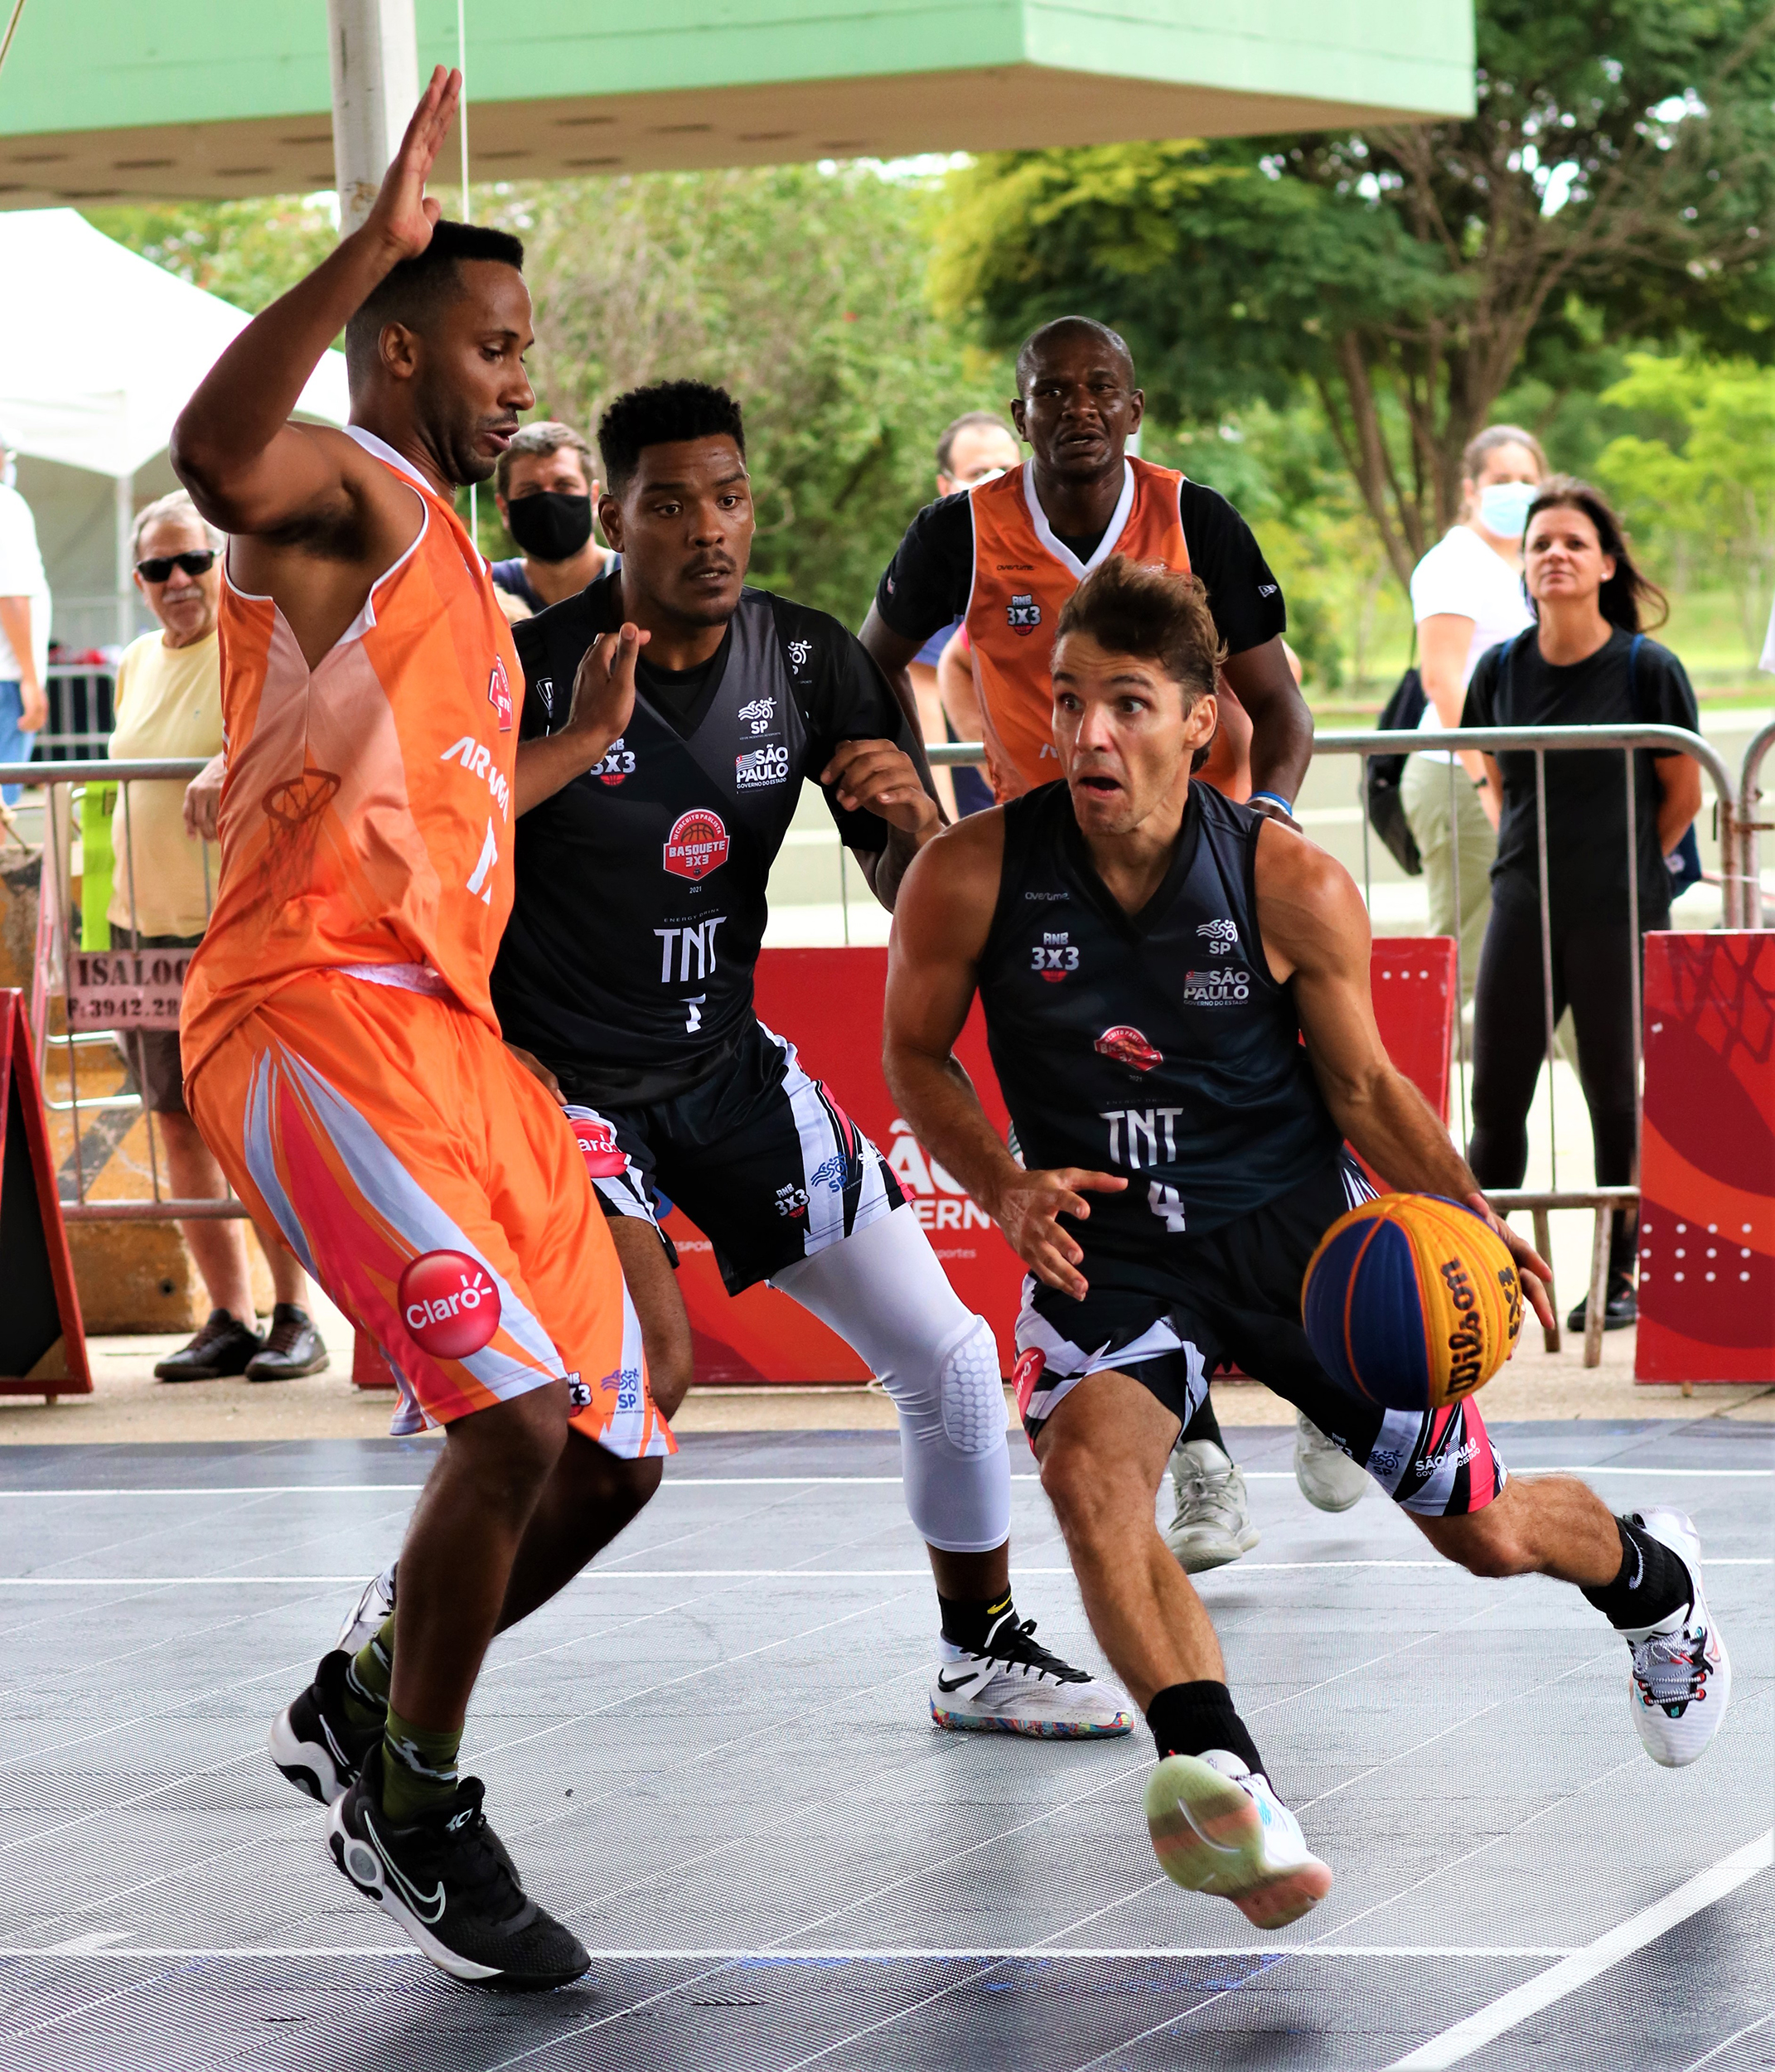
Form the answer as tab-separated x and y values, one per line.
169	703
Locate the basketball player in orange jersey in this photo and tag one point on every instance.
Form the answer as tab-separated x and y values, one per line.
342	1057
1182	1135
1008	553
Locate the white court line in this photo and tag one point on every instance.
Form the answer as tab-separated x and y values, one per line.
1046	1952
815	1481
723	1575
1582	1966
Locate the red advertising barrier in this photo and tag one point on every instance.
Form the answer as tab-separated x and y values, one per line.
42	1345
1707	1161
828	1003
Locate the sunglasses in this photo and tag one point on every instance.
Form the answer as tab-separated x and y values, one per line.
162	566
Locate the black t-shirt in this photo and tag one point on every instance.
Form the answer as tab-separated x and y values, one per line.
1513	686
640	906
927	584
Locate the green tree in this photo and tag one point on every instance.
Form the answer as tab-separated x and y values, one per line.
247	252
803	290
1614	182
1710	481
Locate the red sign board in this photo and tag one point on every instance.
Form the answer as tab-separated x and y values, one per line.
1707	1161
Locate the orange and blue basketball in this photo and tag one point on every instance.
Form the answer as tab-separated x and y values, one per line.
1411	1301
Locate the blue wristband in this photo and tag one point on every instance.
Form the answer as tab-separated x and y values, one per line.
1275	798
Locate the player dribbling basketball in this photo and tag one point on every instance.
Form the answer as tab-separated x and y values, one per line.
1149	956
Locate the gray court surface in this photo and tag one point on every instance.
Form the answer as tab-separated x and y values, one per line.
713	1756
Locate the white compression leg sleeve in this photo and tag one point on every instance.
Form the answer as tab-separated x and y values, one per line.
885	1294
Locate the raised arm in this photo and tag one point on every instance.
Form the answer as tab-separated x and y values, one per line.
249	469
603	705
1315	931
940	931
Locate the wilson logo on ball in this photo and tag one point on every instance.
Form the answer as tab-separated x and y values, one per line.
1412	1302
448	1304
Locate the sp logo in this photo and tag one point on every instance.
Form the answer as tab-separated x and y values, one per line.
448	1304
1022	614
697	844
499	696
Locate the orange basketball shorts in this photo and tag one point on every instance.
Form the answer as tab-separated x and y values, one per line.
436	1193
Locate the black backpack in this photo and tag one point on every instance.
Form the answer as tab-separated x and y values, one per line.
1381	775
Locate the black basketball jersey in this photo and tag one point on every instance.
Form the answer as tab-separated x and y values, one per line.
640	902
1154	1044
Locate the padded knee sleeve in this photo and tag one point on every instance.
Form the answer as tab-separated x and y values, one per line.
884	1292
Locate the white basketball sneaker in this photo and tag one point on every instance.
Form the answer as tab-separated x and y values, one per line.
374	1602
1014	1685
1212	1523
1218	1827
1329	1479
1681	1679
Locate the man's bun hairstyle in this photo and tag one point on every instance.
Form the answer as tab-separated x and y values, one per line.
413	291
1156	614
665	415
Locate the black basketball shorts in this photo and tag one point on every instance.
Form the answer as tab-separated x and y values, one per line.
759	1156
1190	1306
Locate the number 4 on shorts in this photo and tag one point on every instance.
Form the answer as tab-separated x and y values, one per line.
1164	1201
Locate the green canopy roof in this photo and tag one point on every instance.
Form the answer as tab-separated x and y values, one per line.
103	100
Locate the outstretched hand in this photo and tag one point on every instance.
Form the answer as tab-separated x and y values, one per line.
1532	1270
880	777
1025	1209
402	215
604	691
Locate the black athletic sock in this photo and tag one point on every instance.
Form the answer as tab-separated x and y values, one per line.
1189	1718
1653	1582
1204	1424
971	1623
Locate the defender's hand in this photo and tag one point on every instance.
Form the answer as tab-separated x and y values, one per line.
1026	1208
401	217
875	776
538	1070
604	691
1271	811
1531	1269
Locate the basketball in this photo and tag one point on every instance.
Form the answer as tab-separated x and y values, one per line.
1412	1301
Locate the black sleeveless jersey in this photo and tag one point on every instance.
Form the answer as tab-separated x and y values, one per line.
1154	1044
640	904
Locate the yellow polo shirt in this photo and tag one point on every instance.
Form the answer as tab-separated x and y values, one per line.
169	703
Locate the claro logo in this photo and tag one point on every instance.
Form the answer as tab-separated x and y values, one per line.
448	1304
938	1200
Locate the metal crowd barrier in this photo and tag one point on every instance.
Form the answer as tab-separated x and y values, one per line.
58	974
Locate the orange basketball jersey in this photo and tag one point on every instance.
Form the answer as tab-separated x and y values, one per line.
1022	574
366	816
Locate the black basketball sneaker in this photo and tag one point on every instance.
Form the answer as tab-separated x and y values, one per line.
446	1880
314	1743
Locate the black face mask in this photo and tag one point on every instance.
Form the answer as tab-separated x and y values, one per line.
550	526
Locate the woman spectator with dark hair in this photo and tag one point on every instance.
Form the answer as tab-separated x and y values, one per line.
1585	662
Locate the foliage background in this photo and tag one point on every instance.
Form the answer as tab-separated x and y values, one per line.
1319	321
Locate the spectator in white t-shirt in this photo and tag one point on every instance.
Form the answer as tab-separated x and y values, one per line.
1467	596
24	626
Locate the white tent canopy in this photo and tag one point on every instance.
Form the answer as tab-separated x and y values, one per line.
99	353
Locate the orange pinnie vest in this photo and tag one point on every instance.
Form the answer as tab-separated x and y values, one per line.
1022	574
366	817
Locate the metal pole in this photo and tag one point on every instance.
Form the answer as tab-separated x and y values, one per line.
1368	893
1592	1335
123	509
59	881
375	59
1460	989
1546	954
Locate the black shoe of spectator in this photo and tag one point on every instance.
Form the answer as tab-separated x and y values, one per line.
292	1347
223	1347
1620	1309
